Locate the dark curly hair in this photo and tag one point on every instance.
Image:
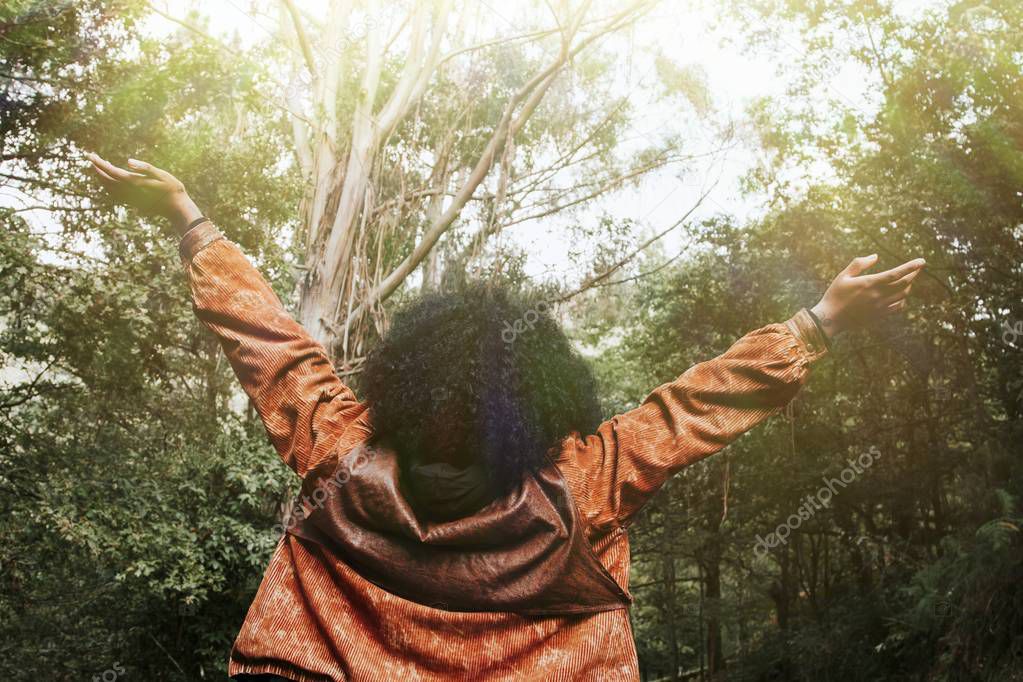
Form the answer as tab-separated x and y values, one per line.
478	376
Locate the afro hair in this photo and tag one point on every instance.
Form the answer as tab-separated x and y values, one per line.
479	376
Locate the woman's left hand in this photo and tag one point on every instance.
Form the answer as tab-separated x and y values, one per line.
147	188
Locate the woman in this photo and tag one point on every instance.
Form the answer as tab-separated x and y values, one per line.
468	519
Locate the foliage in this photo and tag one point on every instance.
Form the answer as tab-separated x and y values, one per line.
137	493
137	504
912	572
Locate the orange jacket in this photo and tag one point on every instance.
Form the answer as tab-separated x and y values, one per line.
315	618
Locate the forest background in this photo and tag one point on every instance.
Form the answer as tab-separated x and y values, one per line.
667	174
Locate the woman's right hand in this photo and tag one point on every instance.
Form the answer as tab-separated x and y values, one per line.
855	300
147	188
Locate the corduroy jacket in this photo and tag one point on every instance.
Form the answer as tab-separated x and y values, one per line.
321	613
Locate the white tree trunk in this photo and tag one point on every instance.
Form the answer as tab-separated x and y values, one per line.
345	283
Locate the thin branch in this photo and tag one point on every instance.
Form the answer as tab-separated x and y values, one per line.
194	29
230	50
497	41
29	389
166	652
877	55
82	209
33	79
595	279
648	273
303	38
489	231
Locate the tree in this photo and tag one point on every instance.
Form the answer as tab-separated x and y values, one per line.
387	181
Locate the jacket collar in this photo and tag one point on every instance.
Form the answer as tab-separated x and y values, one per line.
524	552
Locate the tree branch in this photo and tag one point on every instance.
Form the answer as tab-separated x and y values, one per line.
529	97
303	39
595	279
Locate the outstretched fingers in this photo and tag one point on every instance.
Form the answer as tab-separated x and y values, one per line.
111	171
896	296
103	177
148	169
893	291
901	283
897	273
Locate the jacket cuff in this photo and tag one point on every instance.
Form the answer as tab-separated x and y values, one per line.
809	335
197	239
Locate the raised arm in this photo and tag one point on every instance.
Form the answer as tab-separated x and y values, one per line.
616	470
304	405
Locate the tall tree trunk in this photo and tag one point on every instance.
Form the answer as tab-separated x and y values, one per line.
781	590
346	279
670	621
712	589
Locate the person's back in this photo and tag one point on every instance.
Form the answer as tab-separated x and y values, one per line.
329	608
469	518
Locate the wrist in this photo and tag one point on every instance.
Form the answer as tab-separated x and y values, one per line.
182	213
828	324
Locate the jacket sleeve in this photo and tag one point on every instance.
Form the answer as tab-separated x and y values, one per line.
615	471
304	405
